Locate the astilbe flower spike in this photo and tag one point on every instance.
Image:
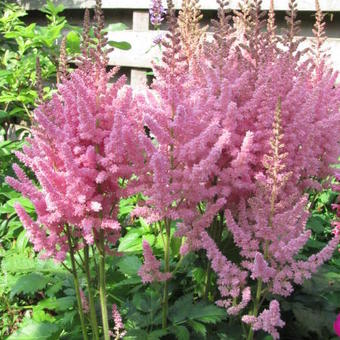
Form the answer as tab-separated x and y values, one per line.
157	12
149	271
271	231
84	141
119	329
269	320
189	141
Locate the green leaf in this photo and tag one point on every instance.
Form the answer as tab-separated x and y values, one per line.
180	332
129	265
157	334
198	327
147	302
316	223
50	8
136	334
315	244
59	305
122	45
40	315
130	241
29	284
33	330
73	42
9	206
184	309
116	27
313	319
22	241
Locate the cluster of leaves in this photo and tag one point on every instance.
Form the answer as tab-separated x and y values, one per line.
310	312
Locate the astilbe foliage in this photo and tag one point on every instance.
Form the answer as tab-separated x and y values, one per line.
84	141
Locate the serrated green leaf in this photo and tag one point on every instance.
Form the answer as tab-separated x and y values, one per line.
33	330
198	327
55	288
157	334
181	332
29	284
130	241
315	244
184	309
59	305
40	315
316	223
129	265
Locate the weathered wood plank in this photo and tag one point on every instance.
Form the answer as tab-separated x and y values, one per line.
142	53
303	5
140	23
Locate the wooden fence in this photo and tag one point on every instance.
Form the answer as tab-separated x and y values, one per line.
135	14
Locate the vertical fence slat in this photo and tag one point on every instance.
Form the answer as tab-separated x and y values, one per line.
140	23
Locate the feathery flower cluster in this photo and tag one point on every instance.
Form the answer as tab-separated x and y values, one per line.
268	320
157	12
119	326
84	141
217	155
149	271
230	277
271	231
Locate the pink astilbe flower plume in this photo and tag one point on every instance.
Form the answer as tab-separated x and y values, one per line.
149	271
269	320
84	140
119	329
271	231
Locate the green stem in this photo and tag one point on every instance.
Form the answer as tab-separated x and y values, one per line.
76	283
256	307
102	287
93	317
167	269
207	281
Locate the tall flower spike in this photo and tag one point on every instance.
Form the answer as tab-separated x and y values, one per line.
319	32
119	329
149	271
189	24
156	13
293	28
86	33
271	28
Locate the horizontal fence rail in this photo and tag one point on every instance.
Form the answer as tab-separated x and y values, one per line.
280	5
142	53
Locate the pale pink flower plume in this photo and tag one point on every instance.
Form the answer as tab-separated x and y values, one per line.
149	271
